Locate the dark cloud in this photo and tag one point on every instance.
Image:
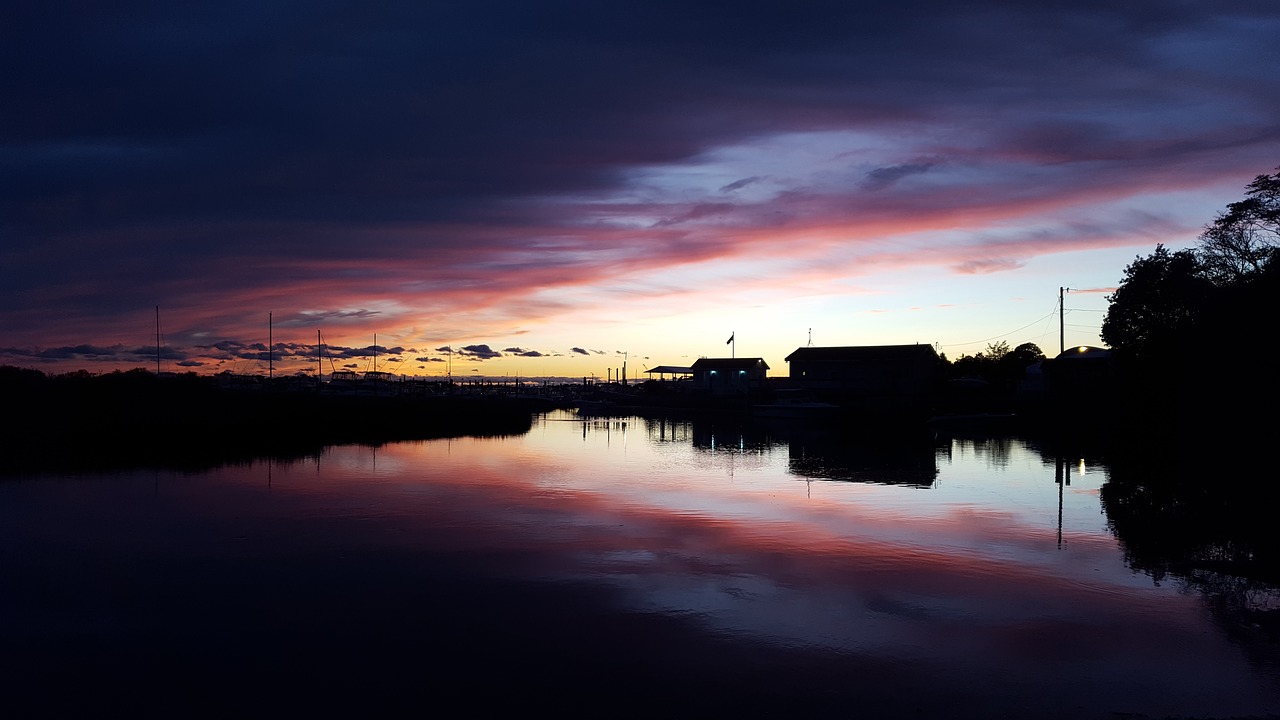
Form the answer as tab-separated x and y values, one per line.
739	184
79	350
98	354
340	117
310	319
580	351
521	352
883	177
230	349
479	352
336	154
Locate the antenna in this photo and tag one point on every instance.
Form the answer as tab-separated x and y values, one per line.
810	337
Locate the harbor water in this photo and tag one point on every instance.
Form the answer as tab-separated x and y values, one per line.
614	566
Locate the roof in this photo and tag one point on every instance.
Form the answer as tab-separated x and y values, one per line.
670	370
862	352
729	363
1084	352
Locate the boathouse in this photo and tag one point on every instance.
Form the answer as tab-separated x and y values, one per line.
729	376
885	372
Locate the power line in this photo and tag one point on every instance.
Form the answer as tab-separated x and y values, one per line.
1047	316
1003	335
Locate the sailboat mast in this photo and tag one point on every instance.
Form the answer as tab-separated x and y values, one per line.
157	340
270	342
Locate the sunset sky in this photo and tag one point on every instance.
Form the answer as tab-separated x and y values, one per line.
538	188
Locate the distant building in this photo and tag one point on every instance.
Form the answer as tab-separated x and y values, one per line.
729	376
891	373
677	372
1079	374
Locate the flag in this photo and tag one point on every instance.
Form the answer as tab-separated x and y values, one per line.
726	342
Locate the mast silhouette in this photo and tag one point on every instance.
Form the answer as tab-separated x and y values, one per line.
157	340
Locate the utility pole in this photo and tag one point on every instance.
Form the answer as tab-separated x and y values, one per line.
1062	332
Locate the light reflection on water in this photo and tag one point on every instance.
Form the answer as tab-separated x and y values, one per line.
962	561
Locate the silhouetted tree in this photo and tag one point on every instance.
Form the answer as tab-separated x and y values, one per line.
1013	364
1159	301
1028	352
983	364
1174	323
971	366
1244	238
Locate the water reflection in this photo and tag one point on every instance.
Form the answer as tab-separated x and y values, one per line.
1207	533
822	455
678	564
996	452
813	451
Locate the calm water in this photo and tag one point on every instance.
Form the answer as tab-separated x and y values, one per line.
653	566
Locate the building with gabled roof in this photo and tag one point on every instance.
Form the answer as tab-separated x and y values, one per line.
869	372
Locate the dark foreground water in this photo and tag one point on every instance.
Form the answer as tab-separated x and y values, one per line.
608	567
